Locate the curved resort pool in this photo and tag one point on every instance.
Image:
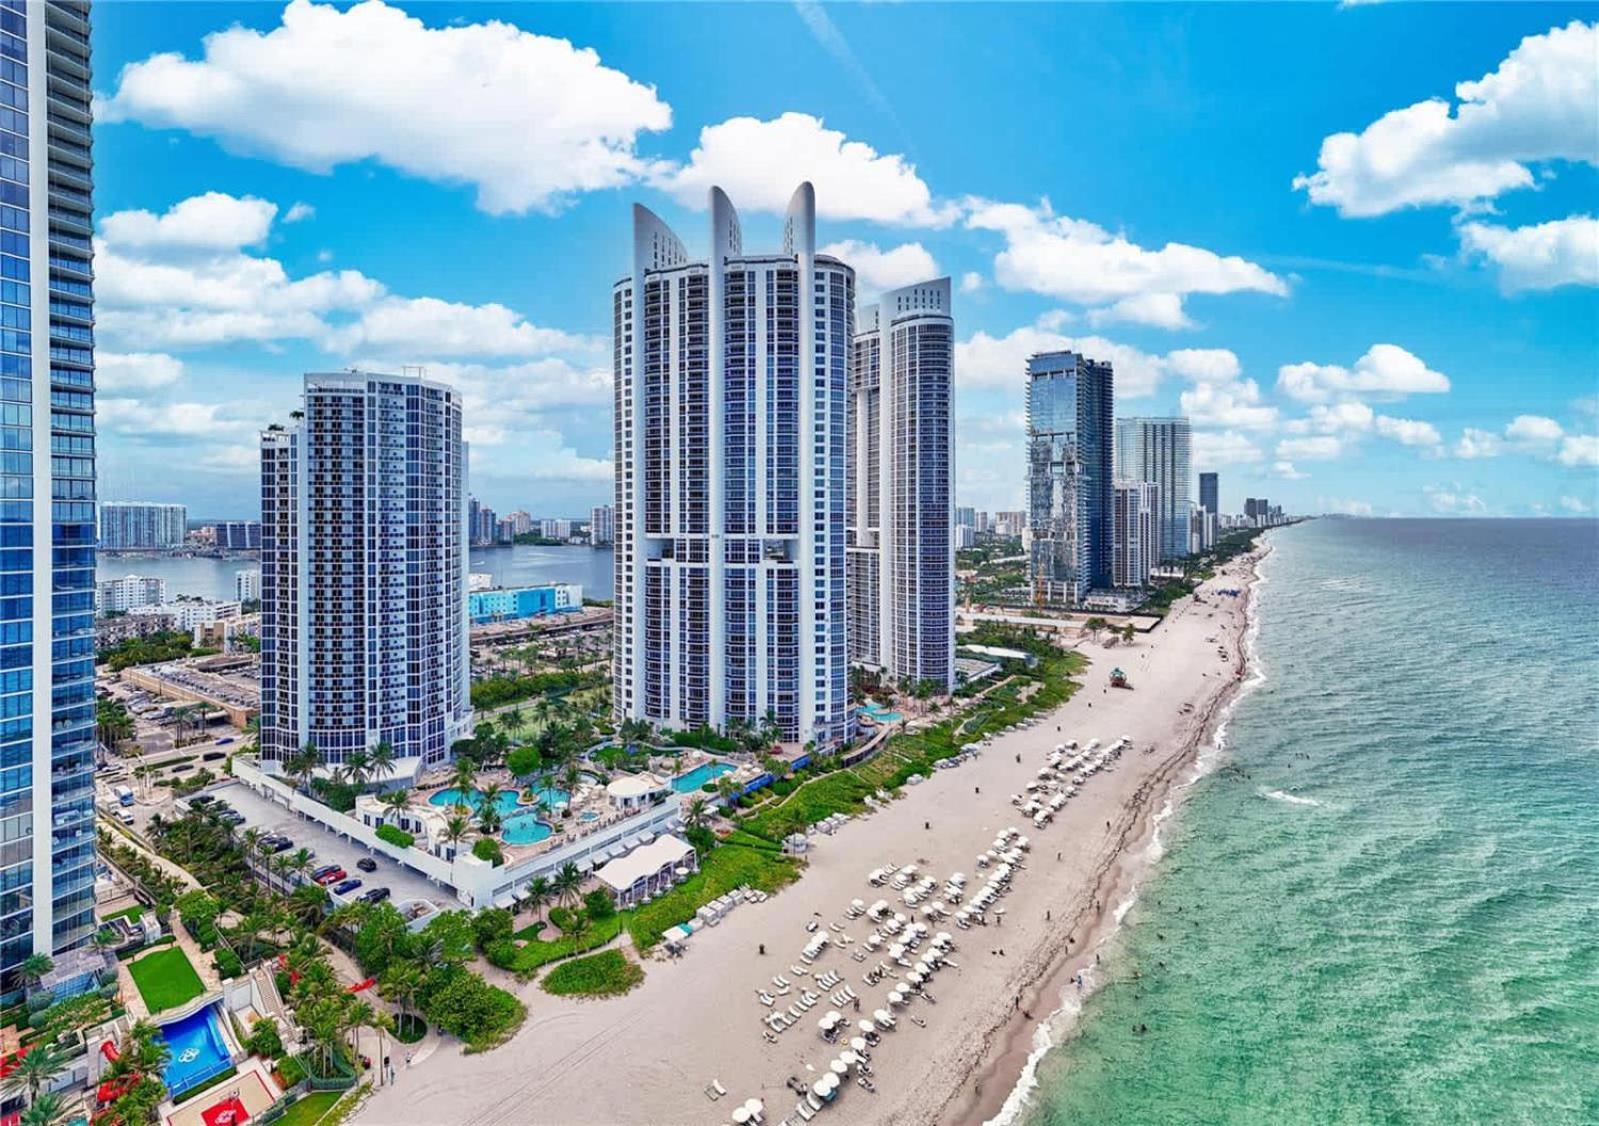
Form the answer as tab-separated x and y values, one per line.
525	829
694	779
875	712
198	1051
472	799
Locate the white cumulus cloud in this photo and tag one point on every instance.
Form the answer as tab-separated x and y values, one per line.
1540	104
760	163
879	269
1286	470
1534	428
984	361
135	371
210	221
1385	370
1477	443
1223	447
1322	447
1540	256
1409	431
1079	261
1575	504
526	119
1579	451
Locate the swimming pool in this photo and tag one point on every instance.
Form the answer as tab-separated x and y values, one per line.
550	797
472	799
525	829
198	1051
875	712
694	779
589	815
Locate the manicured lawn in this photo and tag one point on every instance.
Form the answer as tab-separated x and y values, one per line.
310	1109
132	914
610	973
166	979
729	865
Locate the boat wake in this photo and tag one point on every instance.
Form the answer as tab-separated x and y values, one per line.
1291	799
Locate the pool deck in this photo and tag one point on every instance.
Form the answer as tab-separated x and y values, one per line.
252	1086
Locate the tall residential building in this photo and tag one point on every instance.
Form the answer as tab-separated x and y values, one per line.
238	535
1070	406
1157	449
553	528
1137	532
901	554
136	524
481	523
47	503
602	525
363	572
118	596
963	514
1210	493
729	424
247	585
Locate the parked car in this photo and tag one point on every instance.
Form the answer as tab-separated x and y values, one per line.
345	887
324	870
277	844
367	864
200	800
336	874
224	742
212	756
232	817
374	895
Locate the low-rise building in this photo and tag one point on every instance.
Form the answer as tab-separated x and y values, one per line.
516	603
118	596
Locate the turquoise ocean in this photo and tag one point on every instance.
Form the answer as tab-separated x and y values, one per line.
1381	903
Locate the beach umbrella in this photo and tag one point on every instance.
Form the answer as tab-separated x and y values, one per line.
850	1058
820	1088
825	1023
754	1106
858	1043
839	1067
834	1015
740	1115
867	1026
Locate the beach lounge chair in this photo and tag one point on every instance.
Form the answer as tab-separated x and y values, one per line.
813	1102
766	998
720	1090
804	1111
797	971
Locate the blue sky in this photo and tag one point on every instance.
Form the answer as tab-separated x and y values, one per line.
1356	244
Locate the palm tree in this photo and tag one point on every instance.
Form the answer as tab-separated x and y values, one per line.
34	1072
34	967
456	829
398	801
46	1110
699	812
538	893
400	985
304	765
357	769
465	780
382	759
300	862
306	903
567	882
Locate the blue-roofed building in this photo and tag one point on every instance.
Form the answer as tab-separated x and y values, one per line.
515	603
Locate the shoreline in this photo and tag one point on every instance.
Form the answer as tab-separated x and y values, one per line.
698	1018
997	1090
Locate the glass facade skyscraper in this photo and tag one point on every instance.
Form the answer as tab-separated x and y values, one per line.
729	428
1070	411
1158	450
901	565
47	478
363	573
135	524
1209	493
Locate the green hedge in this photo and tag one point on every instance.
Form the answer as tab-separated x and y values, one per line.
728	866
395	836
526	959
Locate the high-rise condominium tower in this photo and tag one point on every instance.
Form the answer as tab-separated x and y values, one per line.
1157	449
126	524
1136	531
1070	405
730	396
47	504
363	572
1210	493
901	469
602	525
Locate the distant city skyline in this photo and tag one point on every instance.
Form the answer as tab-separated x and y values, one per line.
1339	329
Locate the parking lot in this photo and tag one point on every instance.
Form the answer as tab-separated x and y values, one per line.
329	847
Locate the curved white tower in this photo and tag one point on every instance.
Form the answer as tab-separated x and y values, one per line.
729	416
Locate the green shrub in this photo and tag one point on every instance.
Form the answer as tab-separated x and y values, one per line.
395	836
229	964
264	1040
291	1071
487	848
609	973
562	917
492	924
598	904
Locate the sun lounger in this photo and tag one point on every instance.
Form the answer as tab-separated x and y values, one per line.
797	971
813	1102
711	1094
804	1111
717	1083
766	999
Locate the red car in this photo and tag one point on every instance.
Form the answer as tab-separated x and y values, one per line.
327	878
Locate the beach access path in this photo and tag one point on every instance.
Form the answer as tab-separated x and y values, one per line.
647	1057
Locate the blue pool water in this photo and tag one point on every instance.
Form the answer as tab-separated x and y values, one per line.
874	711
198	1051
589	815
550	797
525	829
505	803
694	779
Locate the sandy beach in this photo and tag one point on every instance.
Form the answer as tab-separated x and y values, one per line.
648	1057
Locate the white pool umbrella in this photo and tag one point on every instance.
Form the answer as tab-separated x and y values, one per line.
839	1067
